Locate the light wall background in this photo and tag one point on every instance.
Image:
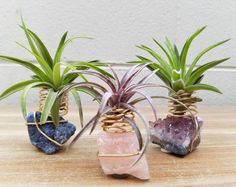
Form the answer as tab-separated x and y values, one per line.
117	26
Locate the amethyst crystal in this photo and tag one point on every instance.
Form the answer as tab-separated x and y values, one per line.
60	133
174	134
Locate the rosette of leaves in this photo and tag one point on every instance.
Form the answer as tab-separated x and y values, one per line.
179	132
117	93
172	68
50	73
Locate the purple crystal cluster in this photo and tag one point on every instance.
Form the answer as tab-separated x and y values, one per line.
174	134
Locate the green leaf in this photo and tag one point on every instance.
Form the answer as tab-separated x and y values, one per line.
176	74
91	66
162	62
57	57
28	36
174	56
196	87
42	48
51	97
143	59
178	85
79	105
28	65
199	79
24	94
70	78
35	52
166	53
57	75
62	46
15	88
200	70
163	78
90	91
193	64
161	73
185	49
55	112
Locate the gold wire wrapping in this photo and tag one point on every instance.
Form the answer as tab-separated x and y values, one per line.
37	124
186	106
63	110
118	155
113	122
177	109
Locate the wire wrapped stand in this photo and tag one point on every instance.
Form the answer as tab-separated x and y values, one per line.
113	122
185	107
63	110
118	145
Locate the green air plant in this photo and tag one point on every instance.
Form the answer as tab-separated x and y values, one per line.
121	144
172	68
50	75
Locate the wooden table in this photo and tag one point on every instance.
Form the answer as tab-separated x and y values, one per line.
212	164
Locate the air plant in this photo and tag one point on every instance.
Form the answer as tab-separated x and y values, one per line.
183	81
50	74
118	94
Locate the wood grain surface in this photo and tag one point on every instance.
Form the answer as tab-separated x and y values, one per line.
212	164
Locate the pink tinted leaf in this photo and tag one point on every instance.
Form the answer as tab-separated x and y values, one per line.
98	116
136	130
133	75
150	102
101	76
145	123
81	84
82	131
104	101
127	74
145	79
115	76
87	126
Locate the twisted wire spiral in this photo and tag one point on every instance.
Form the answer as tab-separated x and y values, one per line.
177	109
113	121
63	108
186	106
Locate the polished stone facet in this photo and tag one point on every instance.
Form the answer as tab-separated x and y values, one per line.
174	134
118	144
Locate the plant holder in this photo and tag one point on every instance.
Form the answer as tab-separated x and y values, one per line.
64	101
118	147
179	132
48	137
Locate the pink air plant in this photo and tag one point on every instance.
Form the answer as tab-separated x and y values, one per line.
119	94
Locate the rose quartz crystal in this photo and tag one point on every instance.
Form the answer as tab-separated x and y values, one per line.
121	143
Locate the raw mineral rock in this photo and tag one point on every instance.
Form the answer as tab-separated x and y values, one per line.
174	134
60	133
121	143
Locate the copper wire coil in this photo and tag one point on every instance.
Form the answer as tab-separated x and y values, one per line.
63	108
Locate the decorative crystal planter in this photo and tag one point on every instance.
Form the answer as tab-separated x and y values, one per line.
179	132
119	149
48	137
